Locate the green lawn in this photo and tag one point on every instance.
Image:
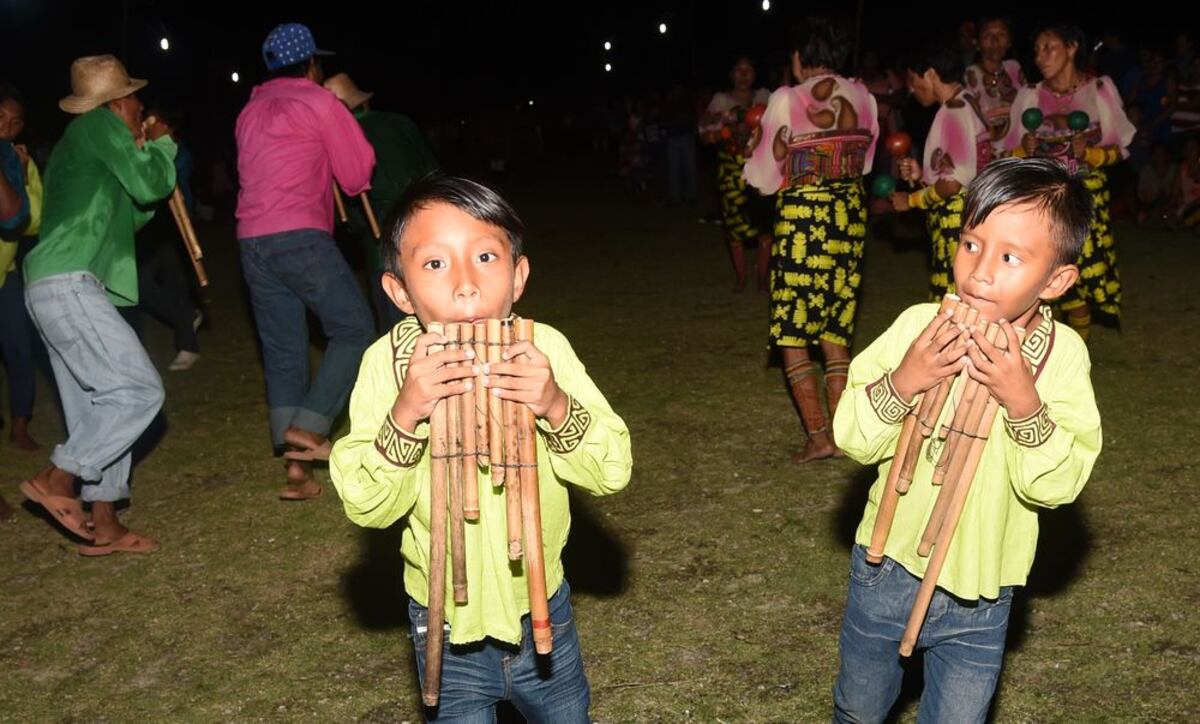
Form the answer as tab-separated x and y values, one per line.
711	589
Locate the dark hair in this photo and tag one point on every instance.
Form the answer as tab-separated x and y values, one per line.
1043	183
822	41
9	92
295	70
944	56
1070	35
1002	19
472	198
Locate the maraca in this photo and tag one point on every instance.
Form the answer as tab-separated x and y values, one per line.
1078	121
884	185
1032	119
754	114
898	144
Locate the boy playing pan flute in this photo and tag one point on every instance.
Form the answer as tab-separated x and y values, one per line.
1024	223
453	254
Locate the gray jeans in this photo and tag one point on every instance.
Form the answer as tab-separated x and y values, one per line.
110	390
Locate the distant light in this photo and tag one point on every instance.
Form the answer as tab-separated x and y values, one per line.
164	44
662	28
766	5
608	67
607	45
235	77
531	101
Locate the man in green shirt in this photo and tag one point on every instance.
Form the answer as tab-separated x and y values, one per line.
103	169
401	157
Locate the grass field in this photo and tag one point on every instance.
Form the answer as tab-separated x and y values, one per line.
710	590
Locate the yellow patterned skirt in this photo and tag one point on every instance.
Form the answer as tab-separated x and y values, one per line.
742	208
944	223
819	235
1099	282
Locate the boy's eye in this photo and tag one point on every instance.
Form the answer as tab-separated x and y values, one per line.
970	245
488	256
1010	259
434	264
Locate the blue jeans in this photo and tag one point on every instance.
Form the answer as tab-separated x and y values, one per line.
476	676
286	273
963	642
109	388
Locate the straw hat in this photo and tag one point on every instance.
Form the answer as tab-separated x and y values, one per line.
345	90
96	80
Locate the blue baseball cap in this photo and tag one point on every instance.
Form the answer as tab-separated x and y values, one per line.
289	44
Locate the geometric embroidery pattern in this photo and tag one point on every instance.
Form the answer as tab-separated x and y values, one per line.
886	401
404	340
1033	430
1037	345
568	435
397	446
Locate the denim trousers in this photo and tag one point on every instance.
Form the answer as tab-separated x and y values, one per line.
476	676
963	644
287	273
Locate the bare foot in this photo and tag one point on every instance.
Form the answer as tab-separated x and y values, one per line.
112	536
819	446
301	483
55	481
19	435
105	524
306	446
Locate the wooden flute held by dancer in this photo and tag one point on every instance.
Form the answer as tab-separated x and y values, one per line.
458	545
183	220
461	428
438	510
339	204
958	487
929	414
907	451
368	211
531	516
511	463
958	442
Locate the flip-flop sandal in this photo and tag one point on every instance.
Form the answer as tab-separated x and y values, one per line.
129	543
67	511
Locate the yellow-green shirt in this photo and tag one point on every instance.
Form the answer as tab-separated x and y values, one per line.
1040	462
382	474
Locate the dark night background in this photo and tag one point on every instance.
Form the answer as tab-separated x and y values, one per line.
456	63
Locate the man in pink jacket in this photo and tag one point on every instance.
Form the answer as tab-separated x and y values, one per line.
295	139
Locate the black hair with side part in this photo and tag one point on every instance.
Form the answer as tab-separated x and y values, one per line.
944	56
1047	186
470	197
1070	35
822	42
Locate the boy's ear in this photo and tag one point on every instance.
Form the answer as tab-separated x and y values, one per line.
1062	279
520	276
393	287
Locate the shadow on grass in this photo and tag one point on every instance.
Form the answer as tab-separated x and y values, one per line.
595	562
